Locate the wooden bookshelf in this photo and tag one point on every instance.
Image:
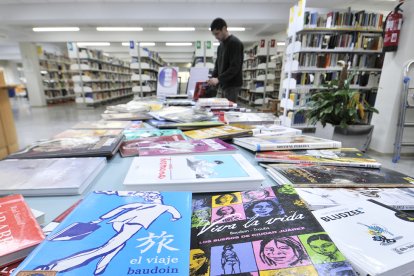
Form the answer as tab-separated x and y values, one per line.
317	40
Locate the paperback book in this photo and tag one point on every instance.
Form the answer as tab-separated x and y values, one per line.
376	239
131	147
15	216
195	173
266	143
252	118
150	133
222	132
104	146
348	157
318	198
118	233
311	176
47	177
77	133
203	146
268	231
102	124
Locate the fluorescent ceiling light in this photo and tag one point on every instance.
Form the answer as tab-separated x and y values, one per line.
236	29
281	43
55	29
176	29
216	43
119	29
140	44
82	44
178	44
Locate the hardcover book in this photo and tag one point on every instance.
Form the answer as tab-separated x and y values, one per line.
268	231
195	173
16	216
376	239
118	233
76	133
131	147
311	176
102	124
46	177
149	133
348	157
105	146
264	143
203	146
222	132
318	198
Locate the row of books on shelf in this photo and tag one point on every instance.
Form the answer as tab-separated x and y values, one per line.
330	60
347	19
361	79
92	65
341	41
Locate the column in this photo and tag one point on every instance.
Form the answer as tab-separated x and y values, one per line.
390	87
31	68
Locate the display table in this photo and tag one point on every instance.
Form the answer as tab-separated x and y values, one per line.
111	178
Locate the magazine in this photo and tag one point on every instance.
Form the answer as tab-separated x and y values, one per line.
311	176
268	231
349	157
195	173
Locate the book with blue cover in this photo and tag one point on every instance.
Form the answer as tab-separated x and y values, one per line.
264	232
118	233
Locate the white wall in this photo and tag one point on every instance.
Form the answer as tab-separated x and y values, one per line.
11	74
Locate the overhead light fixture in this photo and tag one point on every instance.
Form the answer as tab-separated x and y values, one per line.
176	29
83	44
281	43
178	44
55	29
236	29
216	43
140	44
119	29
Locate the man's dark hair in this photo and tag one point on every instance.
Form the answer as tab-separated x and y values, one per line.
218	24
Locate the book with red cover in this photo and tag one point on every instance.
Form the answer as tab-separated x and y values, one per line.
19	230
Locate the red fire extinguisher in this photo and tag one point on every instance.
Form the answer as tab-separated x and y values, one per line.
392	29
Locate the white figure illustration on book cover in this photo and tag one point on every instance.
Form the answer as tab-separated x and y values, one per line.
127	220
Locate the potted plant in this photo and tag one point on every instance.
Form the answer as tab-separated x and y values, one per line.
342	110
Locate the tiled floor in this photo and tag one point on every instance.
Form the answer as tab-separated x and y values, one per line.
43	122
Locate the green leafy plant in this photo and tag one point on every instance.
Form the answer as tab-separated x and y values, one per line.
338	104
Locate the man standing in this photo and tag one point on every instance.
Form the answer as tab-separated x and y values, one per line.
227	72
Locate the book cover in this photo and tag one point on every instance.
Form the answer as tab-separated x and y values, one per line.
161	124
264	143
104	146
149	133
7	270
196	173
154	148
118	233
268	231
102	124
275	130
46	177
311	176
249	118
76	133
318	198
381	242
48	228
223	132
348	157
131	147
15	216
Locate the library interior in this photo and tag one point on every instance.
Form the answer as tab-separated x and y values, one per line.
216	137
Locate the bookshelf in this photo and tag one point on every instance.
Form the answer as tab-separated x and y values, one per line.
317	40
203	54
261	73
99	78
144	67
56	77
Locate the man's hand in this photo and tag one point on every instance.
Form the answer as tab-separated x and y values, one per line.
213	81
